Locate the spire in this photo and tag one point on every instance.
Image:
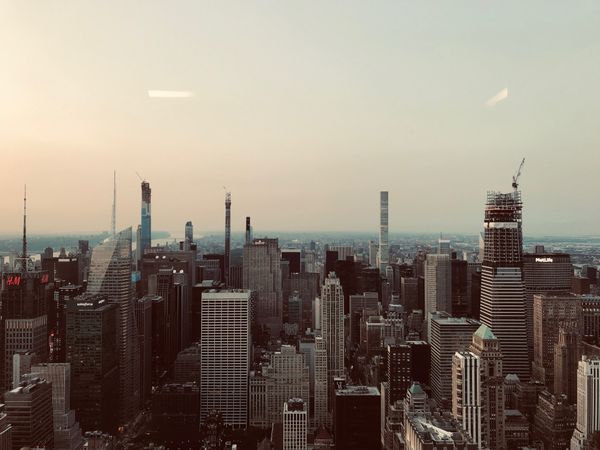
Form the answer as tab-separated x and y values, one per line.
24	251
114	205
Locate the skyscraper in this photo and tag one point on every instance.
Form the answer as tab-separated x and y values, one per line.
357	418
567	353
502	288
248	231
487	348
332	326
189	235
146	221
588	399
438	284
262	275
227	237
225	359
466	393
110	275
383	255
295	424
321	404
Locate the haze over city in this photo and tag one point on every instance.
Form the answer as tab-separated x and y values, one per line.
304	111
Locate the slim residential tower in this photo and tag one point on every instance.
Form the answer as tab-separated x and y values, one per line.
145	239
384	251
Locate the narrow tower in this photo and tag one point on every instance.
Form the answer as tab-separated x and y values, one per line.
113	225
384	251
146	220
227	236
248	231
24	264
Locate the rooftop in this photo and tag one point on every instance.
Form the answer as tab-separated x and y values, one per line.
484	332
358	390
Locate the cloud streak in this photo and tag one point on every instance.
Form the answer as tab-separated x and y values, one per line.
169	94
493	101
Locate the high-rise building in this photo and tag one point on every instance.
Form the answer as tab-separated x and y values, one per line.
466	394
320	389
188	365
57	320
360	305
146	221
287	377
225	360
588	399
590	305
409	293
448	335
227	259
554	421
502	287
92	351
110	275
550	312
262	275
383	256
143	320
25	336
438	284
357	418
67	432
332	326
544	273
29	411
189	235
295	424
567	354
399	371
487	348
248	231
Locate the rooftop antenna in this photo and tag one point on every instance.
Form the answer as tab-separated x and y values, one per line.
24	251
114	205
140	177
515	182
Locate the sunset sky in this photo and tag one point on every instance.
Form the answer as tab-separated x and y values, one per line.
305	110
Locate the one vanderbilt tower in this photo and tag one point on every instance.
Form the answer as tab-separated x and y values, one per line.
502	288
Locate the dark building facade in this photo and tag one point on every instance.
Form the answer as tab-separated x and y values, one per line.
357	418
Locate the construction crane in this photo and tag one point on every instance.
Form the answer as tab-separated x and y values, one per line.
515	182
140	177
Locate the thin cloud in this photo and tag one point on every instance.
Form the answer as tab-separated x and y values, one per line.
502	95
169	94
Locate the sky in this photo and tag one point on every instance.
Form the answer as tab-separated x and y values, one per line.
304	110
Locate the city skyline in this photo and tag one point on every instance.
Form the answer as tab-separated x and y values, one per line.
394	96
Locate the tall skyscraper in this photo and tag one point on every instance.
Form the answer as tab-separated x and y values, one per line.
110	276
438	284
487	348
550	313
227	259
332	326
146	221
448	335
248	231
189	235
502	288
5	430
93	352
466	393
295	424
225	360
567	354
321	404
262	275
23	336
383	255
357	418
588	399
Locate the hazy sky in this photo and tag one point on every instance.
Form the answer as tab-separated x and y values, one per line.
305	110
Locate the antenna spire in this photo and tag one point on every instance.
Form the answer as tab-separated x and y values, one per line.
114	205
24	251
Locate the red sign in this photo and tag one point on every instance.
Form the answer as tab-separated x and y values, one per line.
44	278
13	280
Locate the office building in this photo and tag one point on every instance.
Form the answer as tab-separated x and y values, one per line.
550	312
544	273
567	354
110	276
332	326
588	399
321	415
227	259
92	351
57	320
590	306
399	371
467	406
554	421
175	410
67	432
143	320
225	355
188	364
409	294
189	235
502	287
366	304
383	255
516	429
460	287
25	336
487	348
262	275
448	335
295	424
29	411
357	418
438	284
287	377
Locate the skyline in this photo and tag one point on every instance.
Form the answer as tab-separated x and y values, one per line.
436	103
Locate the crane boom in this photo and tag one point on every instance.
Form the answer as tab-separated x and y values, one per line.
517	175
